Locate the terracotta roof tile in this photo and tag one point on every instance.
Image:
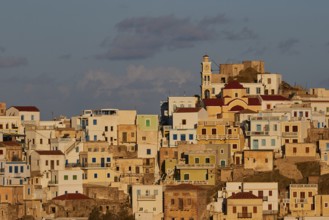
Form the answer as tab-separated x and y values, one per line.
49	152
253	101
243	195
233	85
237	108
27	108
274	98
71	196
184	110
213	102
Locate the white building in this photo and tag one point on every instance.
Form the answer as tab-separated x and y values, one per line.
147	202
65	181
27	114
14	173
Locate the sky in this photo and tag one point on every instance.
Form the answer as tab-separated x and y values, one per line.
65	56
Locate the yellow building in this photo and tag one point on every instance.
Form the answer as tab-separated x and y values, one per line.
234	98
244	205
197	167
300	150
301	201
294	131
220	132
259	160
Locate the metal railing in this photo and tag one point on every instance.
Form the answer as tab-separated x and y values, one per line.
146	197
195	166
217	137
244	215
289	134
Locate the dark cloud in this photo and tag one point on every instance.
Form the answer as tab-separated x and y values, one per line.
288	46
219	19
143	37
2	49
65	56
10	62
244	34
255	51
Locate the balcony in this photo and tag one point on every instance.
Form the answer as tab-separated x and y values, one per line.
265	198
289	134
268	118
244	215
52	182
88	165
301	201
196	182
146	197
195	166
260	133
217	137
213	123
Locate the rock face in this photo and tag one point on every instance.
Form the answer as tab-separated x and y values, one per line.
288	169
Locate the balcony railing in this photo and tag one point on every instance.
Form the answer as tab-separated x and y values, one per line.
304	185
196	182
53	182
195	166
248	133
244	215
88	165
289	134
217	137
146	197
301	201
213	123
268	118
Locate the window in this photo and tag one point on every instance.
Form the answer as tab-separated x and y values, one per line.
106	128
148	122
273	142
268	106
302	195
108	159
235	146
306	114
184	122
255	209
41	141
221	151
269	81
77	149
191	136
207	160
269	207
310	194
258	127
213	131
286	128
294	194
148	151
46	162
111	128
234	209
196	160
327	146
95	122
248	90
95	137
108	175
22	117
93	160
204	131
295	128
213	90
174	137
183	137
266	160
16	169
172	201
263	142
75	177
186	176
95	175
236	95
10	169
257	90
307	150
294	150
295	141
66	177
22	169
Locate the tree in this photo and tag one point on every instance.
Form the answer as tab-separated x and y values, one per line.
95	214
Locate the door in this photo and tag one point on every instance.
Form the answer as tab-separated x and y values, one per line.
124	137
237	160
222	163
102	162
52	164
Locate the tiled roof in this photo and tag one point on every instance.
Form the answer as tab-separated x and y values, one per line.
213	102
237	108
233	85
49	152
243	195
71	196
9	143
26	108
184	110
274	98
253	101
